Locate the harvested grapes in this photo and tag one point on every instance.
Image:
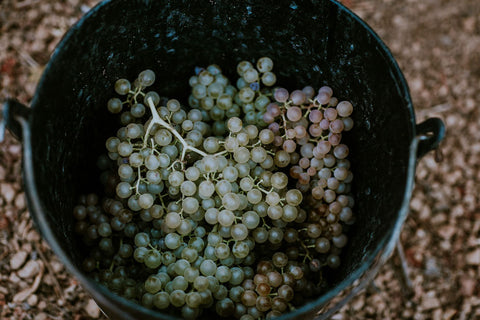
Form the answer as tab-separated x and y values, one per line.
233	204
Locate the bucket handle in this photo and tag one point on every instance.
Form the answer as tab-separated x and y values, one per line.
429	133
11	111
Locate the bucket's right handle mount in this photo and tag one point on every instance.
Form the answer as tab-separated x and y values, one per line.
430	133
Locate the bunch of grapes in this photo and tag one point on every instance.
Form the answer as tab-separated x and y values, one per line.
234	205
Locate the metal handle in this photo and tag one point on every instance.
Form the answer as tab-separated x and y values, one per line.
430	133
10	113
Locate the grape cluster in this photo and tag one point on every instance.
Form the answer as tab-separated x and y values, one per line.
219	100
234	206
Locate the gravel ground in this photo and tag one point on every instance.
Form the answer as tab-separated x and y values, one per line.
437	44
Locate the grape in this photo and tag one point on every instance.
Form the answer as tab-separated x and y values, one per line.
114	105
246	94
205	77
161	300
230	207
172	241
226	218
243	66
123	190
281	95
250	75
152	259
298	98
294	114
239	232
146	78
264	64
241	155
208	268
289	146
341	151
122	86
269	79
177	298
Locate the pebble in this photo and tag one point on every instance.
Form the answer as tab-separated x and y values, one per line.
30	270
13	278
473	258
33	236
42	305
449	314
430	301
7	191
18	259
3	173
20	201
92	309
56	266
32	300
41	316
432	268
468	285
358	303
15	149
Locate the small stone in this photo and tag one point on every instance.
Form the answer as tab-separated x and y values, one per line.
18	260
469	24
92	309
432	269
42	305
430	301
15	149
41	316
358	303
468	285
32	300
27	247
33	236
20	201
7	191
437	314
446	232
449	314
13	278
30	270
473	258
416	204
56	266
3	173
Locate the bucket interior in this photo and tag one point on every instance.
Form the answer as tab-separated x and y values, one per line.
310	44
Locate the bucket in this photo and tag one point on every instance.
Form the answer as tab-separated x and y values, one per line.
313	42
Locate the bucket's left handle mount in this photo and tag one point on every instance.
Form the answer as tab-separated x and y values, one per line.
12	115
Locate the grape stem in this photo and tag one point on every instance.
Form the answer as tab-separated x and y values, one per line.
156	119
307	252
138	182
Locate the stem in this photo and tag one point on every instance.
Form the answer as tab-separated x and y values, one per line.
139	177
158	120
284	123
262	190
307	252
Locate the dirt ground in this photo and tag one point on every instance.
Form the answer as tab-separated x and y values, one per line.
437	44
